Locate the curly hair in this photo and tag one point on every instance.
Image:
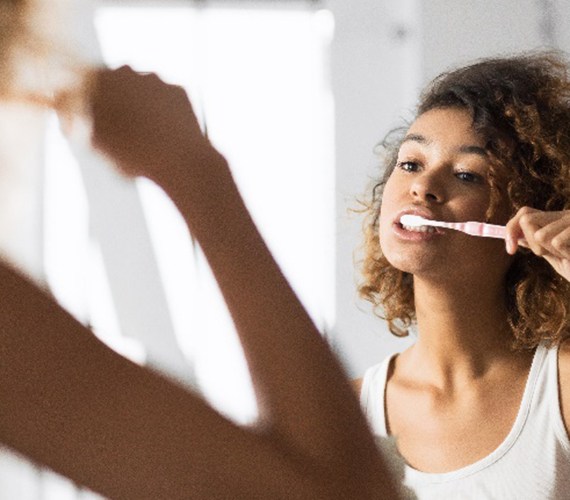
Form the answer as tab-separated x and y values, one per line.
520	106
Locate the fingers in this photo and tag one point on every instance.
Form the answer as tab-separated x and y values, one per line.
140	121
530	222
545	233
515	229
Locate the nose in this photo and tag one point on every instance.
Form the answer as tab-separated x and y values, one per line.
427	186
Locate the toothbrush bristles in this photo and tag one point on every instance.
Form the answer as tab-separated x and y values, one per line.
413	220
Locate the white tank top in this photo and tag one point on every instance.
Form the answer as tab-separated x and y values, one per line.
532	463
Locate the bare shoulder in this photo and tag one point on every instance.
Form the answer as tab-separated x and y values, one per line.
357	385
564	381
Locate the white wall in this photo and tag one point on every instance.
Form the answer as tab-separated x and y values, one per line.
458	32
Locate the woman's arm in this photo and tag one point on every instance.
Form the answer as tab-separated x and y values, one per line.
71	403
306	403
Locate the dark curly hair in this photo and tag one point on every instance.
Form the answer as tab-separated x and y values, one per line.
520	105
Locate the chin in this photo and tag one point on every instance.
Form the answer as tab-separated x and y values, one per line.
406	265
416	262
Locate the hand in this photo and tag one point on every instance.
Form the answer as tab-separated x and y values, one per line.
547	234
146	126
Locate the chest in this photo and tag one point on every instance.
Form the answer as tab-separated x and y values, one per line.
441	434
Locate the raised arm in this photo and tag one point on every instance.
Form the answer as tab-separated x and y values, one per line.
306	403
71	403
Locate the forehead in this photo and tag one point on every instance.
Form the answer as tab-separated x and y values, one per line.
444	125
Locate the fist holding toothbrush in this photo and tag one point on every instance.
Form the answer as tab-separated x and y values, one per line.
547	235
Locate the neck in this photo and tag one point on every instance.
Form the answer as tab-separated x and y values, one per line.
462	329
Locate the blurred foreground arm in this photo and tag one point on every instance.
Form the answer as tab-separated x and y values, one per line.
71	403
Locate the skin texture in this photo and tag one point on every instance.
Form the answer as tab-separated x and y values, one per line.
441	390
74	405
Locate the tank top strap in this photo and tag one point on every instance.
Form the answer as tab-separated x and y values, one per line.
373	395
550	402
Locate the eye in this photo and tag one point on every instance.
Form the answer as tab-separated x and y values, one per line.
469	177
408	166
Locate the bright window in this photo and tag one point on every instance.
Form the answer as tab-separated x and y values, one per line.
259	79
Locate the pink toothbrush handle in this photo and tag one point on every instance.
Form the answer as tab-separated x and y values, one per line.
486	230
482	229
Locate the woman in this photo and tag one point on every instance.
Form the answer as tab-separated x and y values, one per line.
480	404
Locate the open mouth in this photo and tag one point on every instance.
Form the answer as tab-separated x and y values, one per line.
418	229
413	231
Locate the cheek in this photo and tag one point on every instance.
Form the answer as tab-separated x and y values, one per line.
388	204
470	208
503	212
385	221
391	203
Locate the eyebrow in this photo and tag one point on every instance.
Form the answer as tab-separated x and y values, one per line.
465	149
477	150
416	138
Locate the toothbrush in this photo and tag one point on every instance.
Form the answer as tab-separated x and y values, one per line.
472	228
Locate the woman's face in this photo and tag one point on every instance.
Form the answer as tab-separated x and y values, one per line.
441	174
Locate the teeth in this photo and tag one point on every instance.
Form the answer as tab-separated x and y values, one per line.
419	229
